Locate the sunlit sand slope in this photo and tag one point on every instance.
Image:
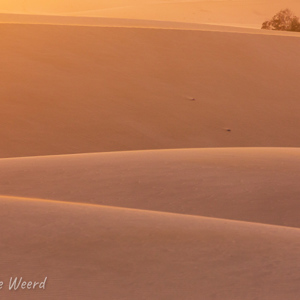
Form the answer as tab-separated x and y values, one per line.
112	22
245	13
91	252
257	185
71	89
8	18
65	6
249	13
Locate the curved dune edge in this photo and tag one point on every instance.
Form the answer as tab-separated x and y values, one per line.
129	254
247	184
131	23
38	201
248	14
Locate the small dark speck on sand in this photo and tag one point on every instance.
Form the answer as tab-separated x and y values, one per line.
229	130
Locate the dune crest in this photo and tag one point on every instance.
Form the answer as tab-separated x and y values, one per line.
255	185
247	13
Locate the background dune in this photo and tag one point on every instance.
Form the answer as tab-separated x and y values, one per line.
249	13
89	251
64	6
13	18
243	13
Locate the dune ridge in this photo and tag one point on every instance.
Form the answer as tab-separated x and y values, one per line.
96	206
249	13
8	18
254	184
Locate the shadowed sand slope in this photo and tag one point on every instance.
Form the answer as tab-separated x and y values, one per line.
89	251
257	185
72	89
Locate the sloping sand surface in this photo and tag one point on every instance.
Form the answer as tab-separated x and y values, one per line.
249	13
245	13
213	217
72	89
112	22
256	185
65	6
89	252
7	18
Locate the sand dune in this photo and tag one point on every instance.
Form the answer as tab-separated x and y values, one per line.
72	89
87	251
8	18
107	22
249	13
256	185
82	79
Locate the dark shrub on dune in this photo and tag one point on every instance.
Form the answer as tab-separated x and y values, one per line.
283	20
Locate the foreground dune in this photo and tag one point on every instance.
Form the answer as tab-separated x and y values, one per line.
79	89
255	185
89	252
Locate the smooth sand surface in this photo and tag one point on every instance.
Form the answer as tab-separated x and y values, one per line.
8	18
255	184
245	13
13	18
215	216
92	251
78	89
